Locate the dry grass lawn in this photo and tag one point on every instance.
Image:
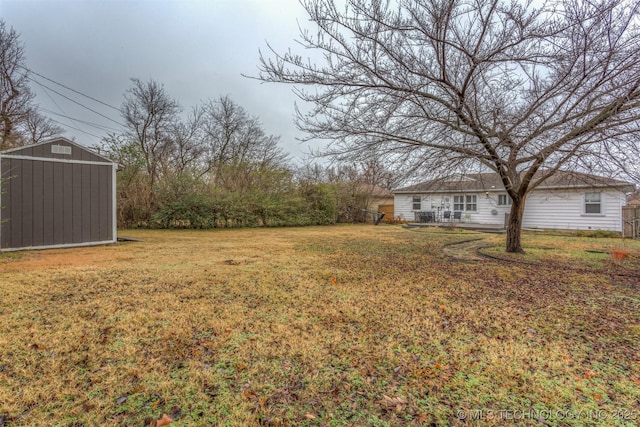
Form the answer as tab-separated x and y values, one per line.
346	325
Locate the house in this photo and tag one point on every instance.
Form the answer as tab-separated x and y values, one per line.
363	201
380	200
56	194
369	196
565	200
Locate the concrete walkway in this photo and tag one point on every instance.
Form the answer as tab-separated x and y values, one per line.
486	228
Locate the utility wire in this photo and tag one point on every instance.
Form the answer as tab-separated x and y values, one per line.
76	128
77	120
62	111
75	102
63	114
71	89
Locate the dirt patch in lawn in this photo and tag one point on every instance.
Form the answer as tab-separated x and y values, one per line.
466	250
60	258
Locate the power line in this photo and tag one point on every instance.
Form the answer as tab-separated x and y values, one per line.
75	119
62	111
76	128
71	89
74	101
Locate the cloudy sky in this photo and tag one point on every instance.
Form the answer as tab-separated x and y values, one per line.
196	48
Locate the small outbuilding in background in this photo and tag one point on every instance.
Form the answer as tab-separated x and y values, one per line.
56	194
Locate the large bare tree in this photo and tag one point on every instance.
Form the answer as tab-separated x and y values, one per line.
15	95
521	88
20	122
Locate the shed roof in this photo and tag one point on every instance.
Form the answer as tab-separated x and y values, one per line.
482	182
41	150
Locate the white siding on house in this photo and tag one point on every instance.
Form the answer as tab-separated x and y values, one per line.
564	209
548	209
403	205
430	202
488	210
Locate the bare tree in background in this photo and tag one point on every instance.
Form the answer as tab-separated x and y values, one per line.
20	123
189	153
456	84
15	96
37	128
234	139
151	115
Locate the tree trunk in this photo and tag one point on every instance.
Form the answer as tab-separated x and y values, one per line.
514	227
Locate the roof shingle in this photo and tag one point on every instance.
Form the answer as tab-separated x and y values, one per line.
491	182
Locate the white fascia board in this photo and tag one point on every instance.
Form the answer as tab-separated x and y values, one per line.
48	159
61	246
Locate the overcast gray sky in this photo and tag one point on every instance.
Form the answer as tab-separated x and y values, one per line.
196	48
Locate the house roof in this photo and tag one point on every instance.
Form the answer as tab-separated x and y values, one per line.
482	182
374	190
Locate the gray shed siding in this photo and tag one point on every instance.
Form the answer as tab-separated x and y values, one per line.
52	202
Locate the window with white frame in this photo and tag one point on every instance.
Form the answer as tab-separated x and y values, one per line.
471	203
592	203
465	203
504	200
417	203
458	203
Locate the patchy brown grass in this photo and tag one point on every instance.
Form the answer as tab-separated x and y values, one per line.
350	325
569	249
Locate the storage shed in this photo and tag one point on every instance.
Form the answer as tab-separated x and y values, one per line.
56	194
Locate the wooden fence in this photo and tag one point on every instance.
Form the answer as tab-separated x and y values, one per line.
388	212
631	220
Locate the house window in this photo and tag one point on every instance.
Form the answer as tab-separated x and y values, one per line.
465	203
592	203
504	200
458	203
417	203
471	203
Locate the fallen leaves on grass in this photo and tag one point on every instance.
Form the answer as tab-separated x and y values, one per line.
165	420
248	394
392	403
